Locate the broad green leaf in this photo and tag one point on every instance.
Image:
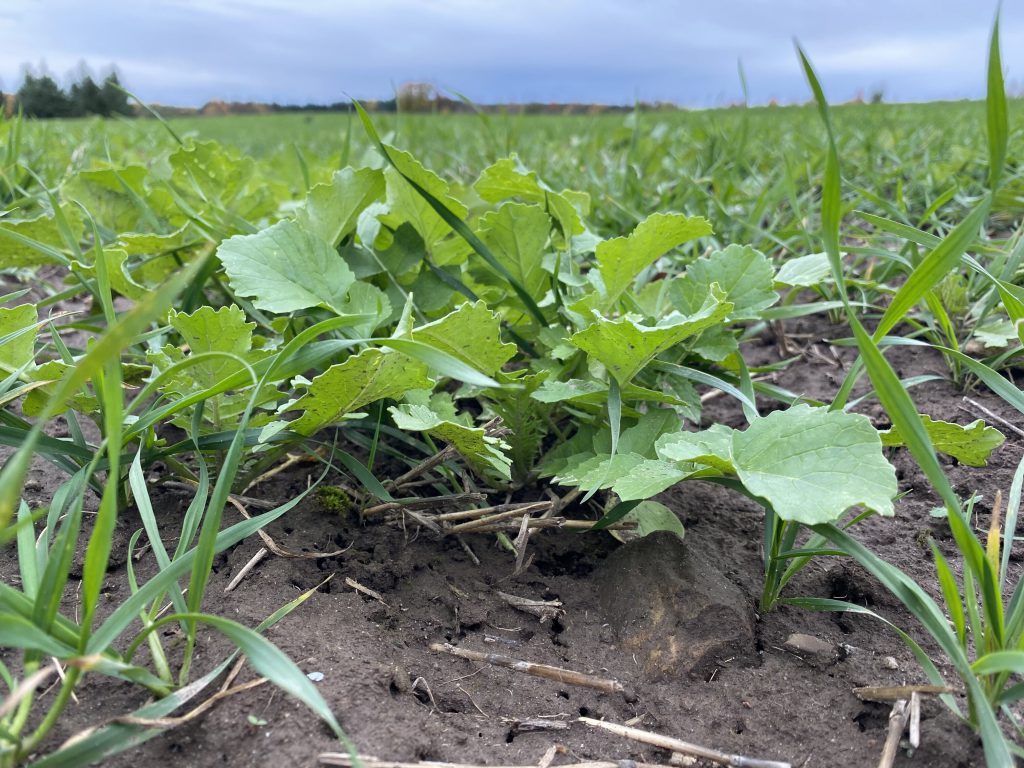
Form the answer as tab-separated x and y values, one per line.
120	280
218	179
472	334
407	204
367	300
651	516
149	244
285	268
804	271
642	436
745	274
595	393
210	330
812	464
484	453
996	333
650	477
517	233
115	197
508	178
20	350
362	379
621	259
712	446
624	346
602	471
31	242
971	444
332	210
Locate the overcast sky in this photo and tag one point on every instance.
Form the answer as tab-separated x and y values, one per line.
186	52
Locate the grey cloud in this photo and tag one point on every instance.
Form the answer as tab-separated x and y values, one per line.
187	51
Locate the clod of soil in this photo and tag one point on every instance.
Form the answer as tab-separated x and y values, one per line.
668	604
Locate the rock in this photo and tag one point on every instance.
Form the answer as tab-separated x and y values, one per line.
668	604
889	662
809	644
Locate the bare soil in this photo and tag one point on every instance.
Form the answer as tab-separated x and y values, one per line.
399	700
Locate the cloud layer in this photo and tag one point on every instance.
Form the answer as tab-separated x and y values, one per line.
610	51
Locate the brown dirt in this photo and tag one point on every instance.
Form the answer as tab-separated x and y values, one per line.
377	665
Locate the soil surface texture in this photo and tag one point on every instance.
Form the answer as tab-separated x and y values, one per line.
674	621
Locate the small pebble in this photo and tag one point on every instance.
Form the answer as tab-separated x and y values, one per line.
316	677
890	662
809	644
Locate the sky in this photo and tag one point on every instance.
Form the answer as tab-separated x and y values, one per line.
188	52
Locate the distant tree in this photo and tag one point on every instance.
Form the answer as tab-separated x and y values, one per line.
416	97
42	97
115	101
87	98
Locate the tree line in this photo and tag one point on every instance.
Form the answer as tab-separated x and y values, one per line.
42	96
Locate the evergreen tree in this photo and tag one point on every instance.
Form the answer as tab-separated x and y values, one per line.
115	101
87	98
42	97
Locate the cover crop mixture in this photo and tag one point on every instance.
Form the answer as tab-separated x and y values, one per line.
431	341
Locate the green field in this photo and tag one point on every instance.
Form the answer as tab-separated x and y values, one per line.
491	310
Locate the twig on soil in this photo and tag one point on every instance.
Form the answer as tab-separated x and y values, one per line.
426	501
566	676
472	701
346	760
915	720
60	673
366	591
994	416
675	745
492	428
244	571
291	460
536	724
884	693
545	610
505	514
897	725
479	512
549	756
521	542
421	682
173	722
251	501
278	550
469	551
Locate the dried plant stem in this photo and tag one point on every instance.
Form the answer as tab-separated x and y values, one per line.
895	693
244	571
566	676
898	719
426	501
345	760
675	745
994	416
472	514
483	522
545	610
173	722
424	466
276	548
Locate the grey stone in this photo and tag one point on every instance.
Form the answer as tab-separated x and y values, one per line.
809	644
670	606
